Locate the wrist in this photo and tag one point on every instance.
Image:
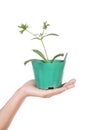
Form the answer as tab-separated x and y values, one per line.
22	92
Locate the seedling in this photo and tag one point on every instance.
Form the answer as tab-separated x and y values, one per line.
40	37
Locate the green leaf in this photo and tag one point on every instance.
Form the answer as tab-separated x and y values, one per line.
27	61
36	38
40	54
45	25
50	34
61	54
23	27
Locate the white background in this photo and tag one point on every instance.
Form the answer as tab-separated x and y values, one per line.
72	20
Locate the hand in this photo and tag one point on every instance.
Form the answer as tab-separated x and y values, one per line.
30	89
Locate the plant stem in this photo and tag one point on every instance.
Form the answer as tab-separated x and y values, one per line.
44	49
31	33
41	42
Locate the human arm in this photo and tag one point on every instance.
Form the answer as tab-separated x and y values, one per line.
9	110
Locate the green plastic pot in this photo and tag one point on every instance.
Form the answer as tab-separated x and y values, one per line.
48	75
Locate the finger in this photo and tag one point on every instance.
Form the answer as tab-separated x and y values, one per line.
71	82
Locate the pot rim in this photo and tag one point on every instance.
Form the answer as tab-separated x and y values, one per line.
49	61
